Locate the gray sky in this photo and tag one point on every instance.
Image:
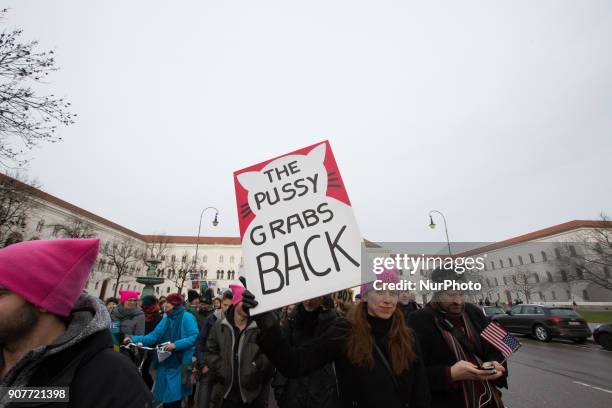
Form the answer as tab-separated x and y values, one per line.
496	113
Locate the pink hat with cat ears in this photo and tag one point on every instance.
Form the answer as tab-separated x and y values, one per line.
386	276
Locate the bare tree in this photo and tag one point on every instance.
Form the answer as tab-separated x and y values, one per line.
521	283
589	258
16	204
123	255
158	248
74	228
26	118
182	272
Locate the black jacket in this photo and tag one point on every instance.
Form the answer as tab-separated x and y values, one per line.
437	355
318	389
202	337
96	375
357	386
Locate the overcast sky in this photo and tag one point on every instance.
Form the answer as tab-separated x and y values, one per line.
499	114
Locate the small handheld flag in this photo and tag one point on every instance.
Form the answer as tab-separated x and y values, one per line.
499	338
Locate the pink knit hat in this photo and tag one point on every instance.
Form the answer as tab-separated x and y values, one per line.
49	274
237	291
127	294
386	276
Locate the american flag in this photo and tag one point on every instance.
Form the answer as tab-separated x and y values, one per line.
500	339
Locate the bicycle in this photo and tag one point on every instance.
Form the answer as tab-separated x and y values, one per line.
135	354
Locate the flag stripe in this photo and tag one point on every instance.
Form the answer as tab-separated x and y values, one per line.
500	339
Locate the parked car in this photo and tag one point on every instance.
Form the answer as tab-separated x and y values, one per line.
545	322
490	311
603	336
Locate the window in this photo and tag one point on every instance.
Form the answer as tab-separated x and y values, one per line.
184	258
510	262
531	258
544	257
549	276
569	294
557	253
488	283
121	287
554	295
163	257
585	295
536	278
157	289
520	260
496	282
97	283
501	263
579	273
106	247
542	298
173	258
516	309
563	276
539	310
242	260
168	289
572	250
606	272
530	310
514	279
505	281
222	274
204	259
492	265
231	259
40	225
220	258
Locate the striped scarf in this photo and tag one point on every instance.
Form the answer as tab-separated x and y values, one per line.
474	396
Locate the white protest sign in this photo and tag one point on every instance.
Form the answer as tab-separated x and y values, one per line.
299	235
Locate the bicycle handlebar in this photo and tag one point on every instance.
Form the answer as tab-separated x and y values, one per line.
136	345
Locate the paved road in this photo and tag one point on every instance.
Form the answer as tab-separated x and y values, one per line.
559	374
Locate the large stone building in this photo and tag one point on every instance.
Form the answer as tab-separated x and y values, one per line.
525	267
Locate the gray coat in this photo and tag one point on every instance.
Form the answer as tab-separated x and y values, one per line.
133	326
255	370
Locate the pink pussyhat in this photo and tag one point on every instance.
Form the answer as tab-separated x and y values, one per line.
386	276
127	294
49	274
237	291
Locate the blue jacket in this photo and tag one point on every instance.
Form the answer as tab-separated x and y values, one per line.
168	385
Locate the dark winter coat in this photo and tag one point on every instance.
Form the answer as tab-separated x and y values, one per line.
202	337
253	367
82	360
357	386
438	357
315	390
408	308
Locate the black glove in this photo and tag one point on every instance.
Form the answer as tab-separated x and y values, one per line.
265	320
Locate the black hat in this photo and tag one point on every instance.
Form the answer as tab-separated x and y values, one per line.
192	295
442	274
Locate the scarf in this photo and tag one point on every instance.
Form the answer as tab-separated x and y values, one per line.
150	311
476	394
122	313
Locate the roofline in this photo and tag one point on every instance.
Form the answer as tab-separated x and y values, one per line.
180	239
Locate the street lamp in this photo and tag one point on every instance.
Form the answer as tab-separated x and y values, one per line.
215	222
432	225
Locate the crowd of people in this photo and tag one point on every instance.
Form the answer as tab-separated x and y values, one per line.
382	349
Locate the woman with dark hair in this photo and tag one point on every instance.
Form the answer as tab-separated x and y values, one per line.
376	356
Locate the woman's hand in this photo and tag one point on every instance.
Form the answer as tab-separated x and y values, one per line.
464	370
127	340
170	347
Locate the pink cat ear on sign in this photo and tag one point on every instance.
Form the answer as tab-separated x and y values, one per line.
249	180
318	153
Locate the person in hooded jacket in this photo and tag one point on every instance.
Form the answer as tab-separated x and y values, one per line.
54	335
318	389
376	356
240	373
178	329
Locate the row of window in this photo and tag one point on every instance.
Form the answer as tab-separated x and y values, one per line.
221	258
543	256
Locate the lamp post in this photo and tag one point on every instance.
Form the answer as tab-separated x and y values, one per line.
215	222
432	225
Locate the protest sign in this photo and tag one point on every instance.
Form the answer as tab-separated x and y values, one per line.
299	235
